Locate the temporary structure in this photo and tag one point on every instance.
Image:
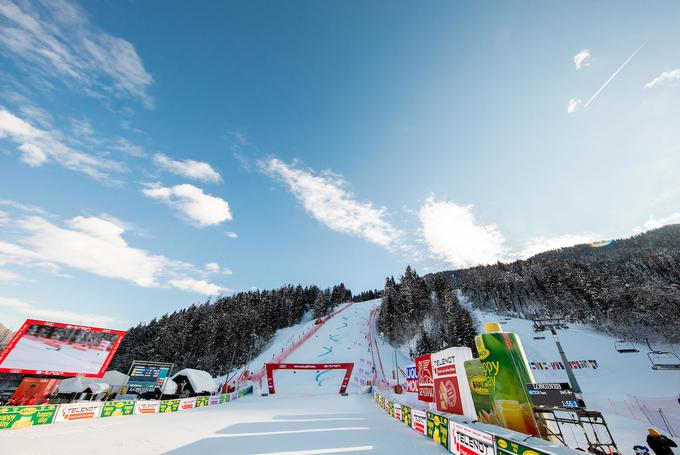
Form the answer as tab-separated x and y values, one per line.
199	382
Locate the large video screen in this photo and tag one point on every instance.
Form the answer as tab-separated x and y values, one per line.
53	348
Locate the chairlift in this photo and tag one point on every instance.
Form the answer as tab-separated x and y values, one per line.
625	346
663	360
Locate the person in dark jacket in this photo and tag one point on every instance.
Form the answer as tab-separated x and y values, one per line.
659	443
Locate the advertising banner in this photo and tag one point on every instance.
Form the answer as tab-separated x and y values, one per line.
451	389
55	349
438	429
187	403
480	393
553	394
78	411
390	408
397	411
470	441
214	399
419	421
169	406
505	447
425	380
412	379
147	407
147	376
224	398
406	415
507	373
26	416
118	408
202	401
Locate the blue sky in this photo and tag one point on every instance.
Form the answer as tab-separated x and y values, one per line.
155	154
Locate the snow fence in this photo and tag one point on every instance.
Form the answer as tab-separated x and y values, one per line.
12	417
463	437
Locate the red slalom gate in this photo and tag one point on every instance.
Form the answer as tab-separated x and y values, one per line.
348	367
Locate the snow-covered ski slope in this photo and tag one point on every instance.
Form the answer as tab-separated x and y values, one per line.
619	387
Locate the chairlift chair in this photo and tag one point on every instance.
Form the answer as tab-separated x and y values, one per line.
625	346
663	360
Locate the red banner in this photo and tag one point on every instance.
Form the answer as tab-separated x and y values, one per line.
425	381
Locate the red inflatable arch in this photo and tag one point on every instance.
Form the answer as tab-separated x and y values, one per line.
348	367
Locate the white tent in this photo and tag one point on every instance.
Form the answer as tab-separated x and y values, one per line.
80	385
200	381
74	385
170	387
115	378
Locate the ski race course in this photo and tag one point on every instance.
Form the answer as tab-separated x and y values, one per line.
308	416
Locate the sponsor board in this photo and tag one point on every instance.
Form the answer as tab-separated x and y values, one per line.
397	411
412	379
78	411
425	379
470	441
438	429
147	407
67	349
406	415
203	400
390	408
419	421
224	398
214	399
169	406
26	416
451	391
187	403
505	447
118	408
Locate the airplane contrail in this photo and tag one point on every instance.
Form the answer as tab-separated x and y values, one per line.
613	75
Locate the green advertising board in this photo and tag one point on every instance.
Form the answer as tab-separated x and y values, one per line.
505	447
26	416
390	408
406	415
224	398
438	429
202	401
118	408
169	406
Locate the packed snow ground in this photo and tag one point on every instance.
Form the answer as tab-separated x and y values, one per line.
30	354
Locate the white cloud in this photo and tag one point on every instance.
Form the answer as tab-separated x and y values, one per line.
326	198
8	276
214	267
666	76
200	208
231	235
573	105
56	40
541	244
197	170
31	311
653	223
198	286
582	59
39	146
453	235
93	244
